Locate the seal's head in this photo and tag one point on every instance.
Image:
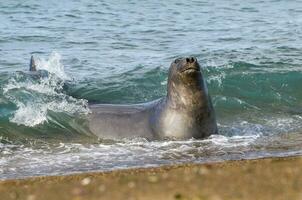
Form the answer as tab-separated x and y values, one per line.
186	87
188	110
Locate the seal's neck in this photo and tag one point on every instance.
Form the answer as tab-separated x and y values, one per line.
187	97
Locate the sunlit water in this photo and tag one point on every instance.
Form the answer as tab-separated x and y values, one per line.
115	52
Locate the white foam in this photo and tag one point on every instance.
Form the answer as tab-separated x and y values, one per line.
233	141
284	124
53	65
34	97
46	85
29	115
217	78
36	113
64	158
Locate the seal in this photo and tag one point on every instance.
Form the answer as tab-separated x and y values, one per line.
186	111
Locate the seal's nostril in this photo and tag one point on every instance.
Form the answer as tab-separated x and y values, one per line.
192	59
188	60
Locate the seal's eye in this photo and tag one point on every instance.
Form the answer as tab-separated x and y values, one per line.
177	60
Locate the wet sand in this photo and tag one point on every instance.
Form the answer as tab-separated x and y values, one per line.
278	178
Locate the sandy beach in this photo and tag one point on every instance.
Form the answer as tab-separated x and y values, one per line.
276	178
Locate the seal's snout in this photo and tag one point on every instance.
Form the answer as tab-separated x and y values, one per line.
191	60
190	64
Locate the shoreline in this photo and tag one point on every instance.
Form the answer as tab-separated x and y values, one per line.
266	178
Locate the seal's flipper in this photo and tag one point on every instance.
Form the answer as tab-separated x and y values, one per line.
32	64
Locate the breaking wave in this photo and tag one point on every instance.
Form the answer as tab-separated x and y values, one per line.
35	94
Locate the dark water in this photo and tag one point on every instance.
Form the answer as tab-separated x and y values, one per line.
118	52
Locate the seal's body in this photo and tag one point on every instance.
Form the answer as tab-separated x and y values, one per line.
123	121
186	111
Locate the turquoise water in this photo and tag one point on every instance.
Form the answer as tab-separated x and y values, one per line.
118	52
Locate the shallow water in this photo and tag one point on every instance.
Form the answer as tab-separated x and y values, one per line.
114	52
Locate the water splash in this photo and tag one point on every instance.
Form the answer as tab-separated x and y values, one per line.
53	65
38	93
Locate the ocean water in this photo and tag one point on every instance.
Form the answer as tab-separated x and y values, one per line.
120	52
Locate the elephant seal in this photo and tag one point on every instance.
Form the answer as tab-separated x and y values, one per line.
186	112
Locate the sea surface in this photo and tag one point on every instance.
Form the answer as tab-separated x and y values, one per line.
119	52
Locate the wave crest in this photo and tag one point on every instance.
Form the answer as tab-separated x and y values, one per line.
35	94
